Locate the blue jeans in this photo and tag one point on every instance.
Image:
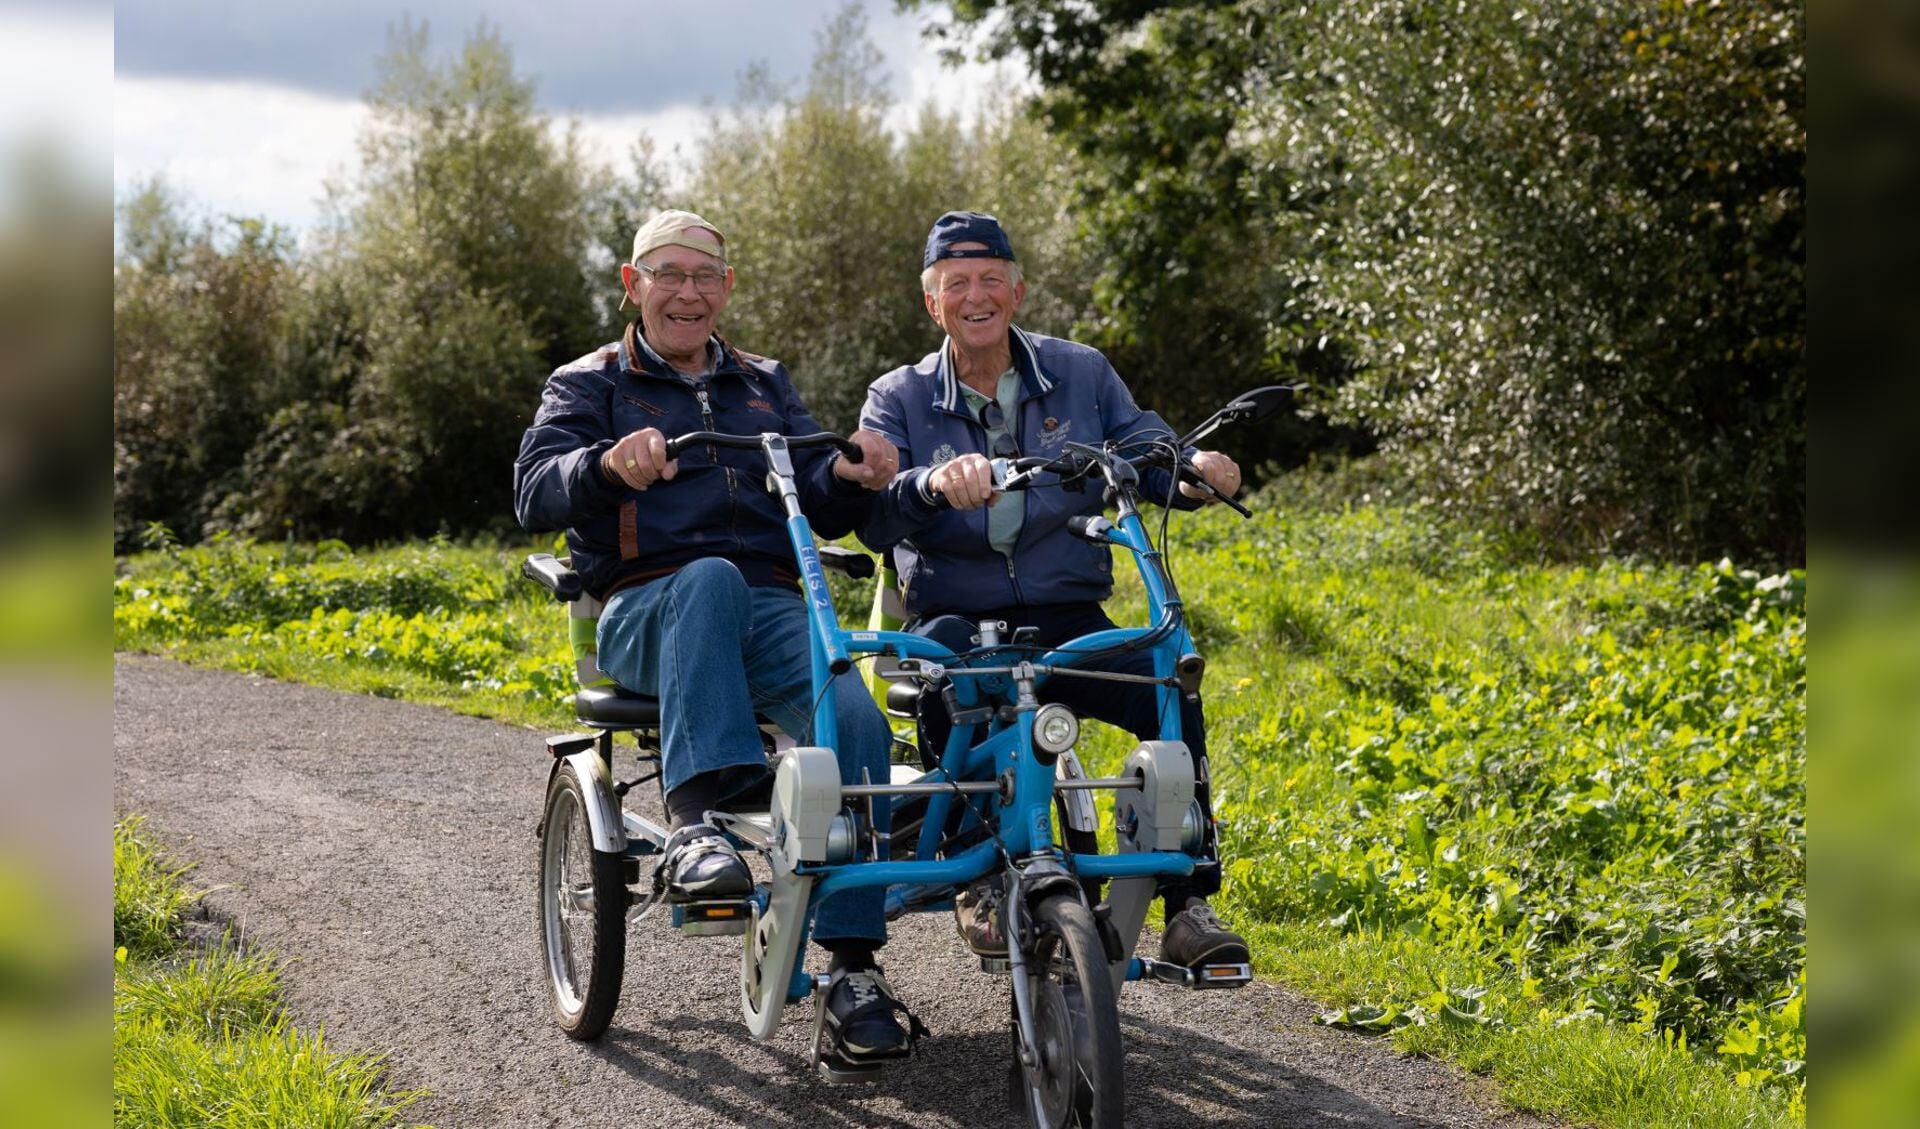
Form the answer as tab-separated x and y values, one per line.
715	652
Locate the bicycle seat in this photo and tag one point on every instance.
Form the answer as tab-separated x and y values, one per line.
613	705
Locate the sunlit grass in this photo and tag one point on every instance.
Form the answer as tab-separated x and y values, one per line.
201	1037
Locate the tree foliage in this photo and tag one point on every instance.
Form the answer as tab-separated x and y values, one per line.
1552	255
826	212
195	305
1550	258
376	384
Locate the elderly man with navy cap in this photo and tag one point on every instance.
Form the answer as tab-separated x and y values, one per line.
703	605
991	390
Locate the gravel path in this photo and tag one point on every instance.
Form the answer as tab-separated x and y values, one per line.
387	851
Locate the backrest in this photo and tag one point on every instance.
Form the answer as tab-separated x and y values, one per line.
583	623
889	614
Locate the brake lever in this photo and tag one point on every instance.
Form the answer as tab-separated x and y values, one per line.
1188	474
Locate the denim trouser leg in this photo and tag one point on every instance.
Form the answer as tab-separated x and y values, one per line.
780	666
714	651
683	639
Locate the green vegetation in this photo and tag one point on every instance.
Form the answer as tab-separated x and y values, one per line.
200	1034
1543	793
373	382
51	993
1546	820
1551	256
1549	259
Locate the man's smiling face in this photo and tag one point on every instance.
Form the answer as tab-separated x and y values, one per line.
678	320
974	300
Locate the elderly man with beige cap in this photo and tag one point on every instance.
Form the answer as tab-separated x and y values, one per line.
691	555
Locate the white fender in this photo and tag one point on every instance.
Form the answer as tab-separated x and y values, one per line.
1081	814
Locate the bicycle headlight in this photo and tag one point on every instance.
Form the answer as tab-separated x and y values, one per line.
1055	730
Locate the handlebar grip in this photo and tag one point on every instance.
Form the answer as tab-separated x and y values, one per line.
543	569
1089	527
680	443
1188	474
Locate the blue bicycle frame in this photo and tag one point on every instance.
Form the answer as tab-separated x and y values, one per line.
1022	823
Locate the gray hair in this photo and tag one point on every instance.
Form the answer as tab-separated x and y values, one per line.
1014	275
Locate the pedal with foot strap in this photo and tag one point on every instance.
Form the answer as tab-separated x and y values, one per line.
722	917
832	1066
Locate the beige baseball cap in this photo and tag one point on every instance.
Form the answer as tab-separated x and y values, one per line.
674	228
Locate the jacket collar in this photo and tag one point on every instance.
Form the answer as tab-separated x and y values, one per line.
1026	358
638	357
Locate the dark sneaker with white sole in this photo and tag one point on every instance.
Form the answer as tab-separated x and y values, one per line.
860	1016
1196	937
700	863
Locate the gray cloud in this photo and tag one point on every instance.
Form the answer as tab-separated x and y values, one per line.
590	58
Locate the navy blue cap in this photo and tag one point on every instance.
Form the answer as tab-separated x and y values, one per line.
966	227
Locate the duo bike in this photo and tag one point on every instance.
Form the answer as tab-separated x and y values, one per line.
983	807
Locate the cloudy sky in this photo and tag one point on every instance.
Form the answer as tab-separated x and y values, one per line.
247	107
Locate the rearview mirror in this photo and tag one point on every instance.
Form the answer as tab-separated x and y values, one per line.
1261	402
1257	404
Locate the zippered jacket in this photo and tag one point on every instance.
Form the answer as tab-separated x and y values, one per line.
1068	392
716	505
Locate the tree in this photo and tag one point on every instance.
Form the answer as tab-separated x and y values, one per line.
1553	255
200	313
826	212
460	258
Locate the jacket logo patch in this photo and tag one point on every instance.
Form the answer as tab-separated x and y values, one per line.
643	405
1050	423
943	453
759	405
1055	435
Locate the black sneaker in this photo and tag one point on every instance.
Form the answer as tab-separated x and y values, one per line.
701	863
1195	937
860	1007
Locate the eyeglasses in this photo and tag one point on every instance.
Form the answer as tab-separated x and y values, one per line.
706	280
993	419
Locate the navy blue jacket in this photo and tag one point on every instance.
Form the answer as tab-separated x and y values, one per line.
716	505
1068	391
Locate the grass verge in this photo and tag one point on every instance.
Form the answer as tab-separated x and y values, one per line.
201	1036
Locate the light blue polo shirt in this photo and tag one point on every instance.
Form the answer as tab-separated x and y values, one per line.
1006	516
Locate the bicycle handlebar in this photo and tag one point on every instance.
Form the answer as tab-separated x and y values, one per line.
752	442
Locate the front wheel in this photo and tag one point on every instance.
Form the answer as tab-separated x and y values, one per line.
583	913
1078	1080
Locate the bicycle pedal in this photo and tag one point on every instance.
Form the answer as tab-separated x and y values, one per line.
996	966
840	1070
1222	976
712	918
